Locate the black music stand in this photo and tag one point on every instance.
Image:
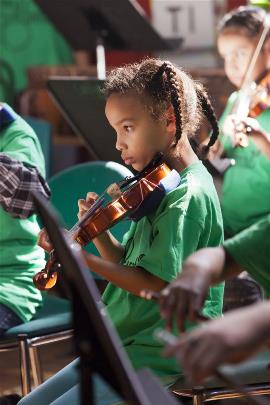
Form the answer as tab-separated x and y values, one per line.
120	24
95	338
83	105
99	24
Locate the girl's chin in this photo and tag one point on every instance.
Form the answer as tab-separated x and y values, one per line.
137	167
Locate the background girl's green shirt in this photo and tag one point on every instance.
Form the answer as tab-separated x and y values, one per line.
245	196
250	248
187	219
20	257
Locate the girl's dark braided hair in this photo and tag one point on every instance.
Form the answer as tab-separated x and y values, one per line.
249	18
160	84
209	113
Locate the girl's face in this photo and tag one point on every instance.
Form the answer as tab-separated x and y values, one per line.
237	49
138	135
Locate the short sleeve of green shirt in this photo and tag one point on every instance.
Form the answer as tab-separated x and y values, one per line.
250	248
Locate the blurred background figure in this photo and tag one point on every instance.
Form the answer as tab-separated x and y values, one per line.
21	171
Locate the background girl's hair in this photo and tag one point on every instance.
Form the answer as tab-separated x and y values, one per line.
160	85
252	19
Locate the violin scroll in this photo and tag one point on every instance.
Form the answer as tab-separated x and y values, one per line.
47	278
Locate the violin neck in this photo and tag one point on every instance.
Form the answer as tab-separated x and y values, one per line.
78	225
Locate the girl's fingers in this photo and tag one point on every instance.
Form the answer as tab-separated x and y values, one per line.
196	304
84	205
181	311
91	197
174	350
167	307
43	240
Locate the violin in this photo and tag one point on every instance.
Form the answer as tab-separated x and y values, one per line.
261	97
133	191
253	101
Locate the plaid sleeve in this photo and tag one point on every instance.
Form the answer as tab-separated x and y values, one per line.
16	184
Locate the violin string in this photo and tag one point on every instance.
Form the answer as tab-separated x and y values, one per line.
99	201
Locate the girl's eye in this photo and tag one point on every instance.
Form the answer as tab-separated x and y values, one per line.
242	53
128	128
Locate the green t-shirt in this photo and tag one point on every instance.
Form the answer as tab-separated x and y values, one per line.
20	257
250	248
187	219
245	196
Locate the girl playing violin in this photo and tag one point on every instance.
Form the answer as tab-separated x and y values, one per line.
153	107
245	194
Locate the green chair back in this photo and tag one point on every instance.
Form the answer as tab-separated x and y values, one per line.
73	183
43	130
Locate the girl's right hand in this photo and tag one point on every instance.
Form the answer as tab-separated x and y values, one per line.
184	298
44	241
84	205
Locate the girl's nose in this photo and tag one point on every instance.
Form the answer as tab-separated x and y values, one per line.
120	145
232	63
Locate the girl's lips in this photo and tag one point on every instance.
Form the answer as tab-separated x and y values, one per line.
128	160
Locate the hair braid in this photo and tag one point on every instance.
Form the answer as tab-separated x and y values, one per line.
170	72
209	113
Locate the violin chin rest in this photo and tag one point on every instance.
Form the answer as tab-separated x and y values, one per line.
152	201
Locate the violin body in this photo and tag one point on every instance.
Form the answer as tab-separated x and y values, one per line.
261	99
251	102
104	218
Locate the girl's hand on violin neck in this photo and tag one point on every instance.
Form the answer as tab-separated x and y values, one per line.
85	205
184	298
44	241
230	339
230	125
234	126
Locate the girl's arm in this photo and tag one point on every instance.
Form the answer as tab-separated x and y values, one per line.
109	248
131	279
185	296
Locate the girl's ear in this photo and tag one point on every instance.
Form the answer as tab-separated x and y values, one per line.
170	120
171	125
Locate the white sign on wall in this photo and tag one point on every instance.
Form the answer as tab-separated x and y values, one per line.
194	21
